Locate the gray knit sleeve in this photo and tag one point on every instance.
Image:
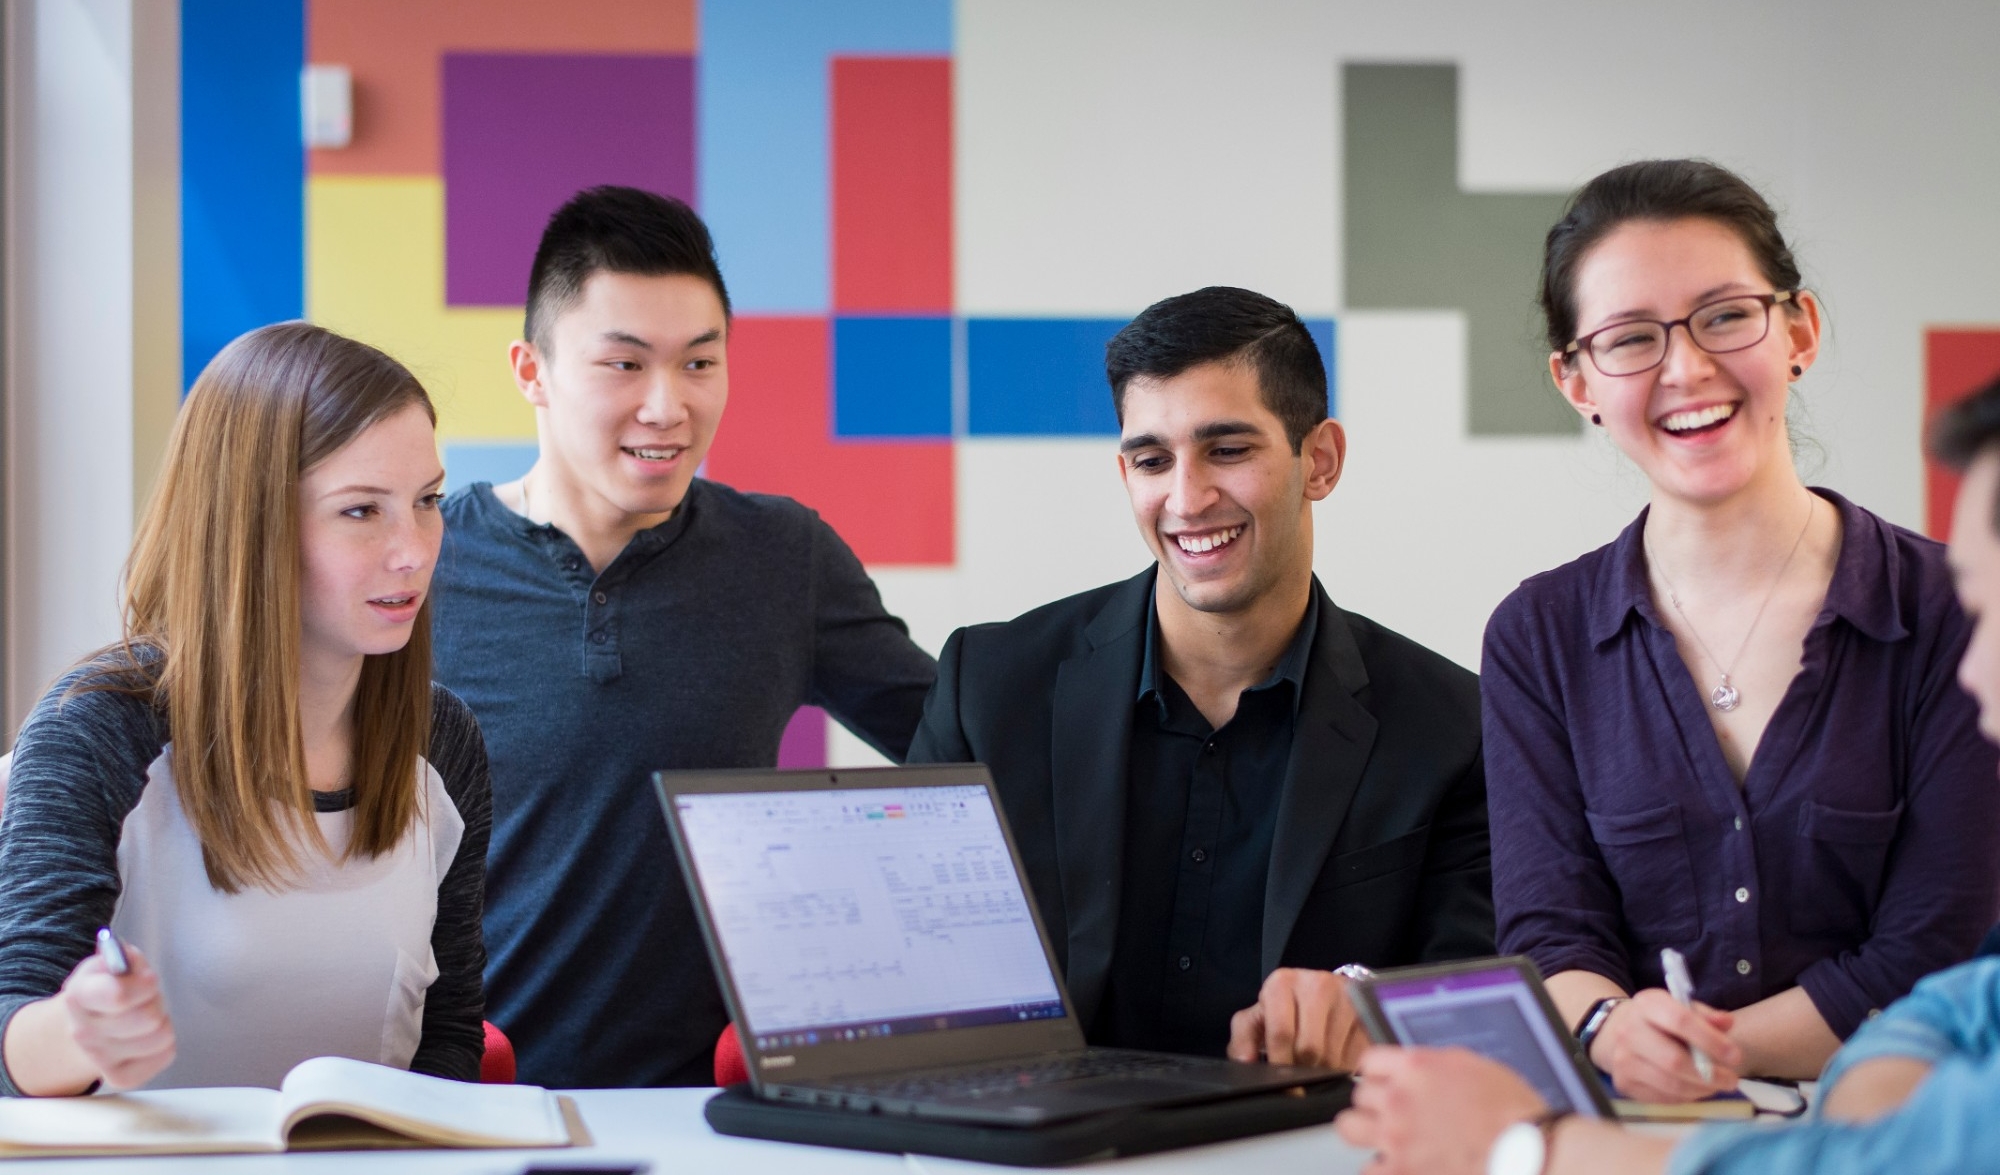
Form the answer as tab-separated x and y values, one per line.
79	766
454	1036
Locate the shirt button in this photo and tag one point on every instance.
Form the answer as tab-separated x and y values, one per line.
1739	824
598	638
1874	1012
1199	855
572	563
1743	966
1208	748
600	597
1186	962
1742	895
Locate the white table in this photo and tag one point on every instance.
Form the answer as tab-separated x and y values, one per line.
664	1127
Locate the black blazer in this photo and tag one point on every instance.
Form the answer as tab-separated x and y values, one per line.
1381	854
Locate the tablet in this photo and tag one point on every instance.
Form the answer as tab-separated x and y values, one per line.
1498	1008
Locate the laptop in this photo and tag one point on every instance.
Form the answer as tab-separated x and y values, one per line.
1499	1009
880	952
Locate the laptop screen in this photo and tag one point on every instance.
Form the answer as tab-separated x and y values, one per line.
846	914
1496	1014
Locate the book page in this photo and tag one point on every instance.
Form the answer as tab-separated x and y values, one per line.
446	1113
162	1121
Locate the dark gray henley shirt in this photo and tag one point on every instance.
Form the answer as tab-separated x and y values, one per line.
692	649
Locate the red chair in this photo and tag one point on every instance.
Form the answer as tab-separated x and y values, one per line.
730	1067
496	1064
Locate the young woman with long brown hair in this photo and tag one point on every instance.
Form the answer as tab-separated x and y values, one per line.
258	788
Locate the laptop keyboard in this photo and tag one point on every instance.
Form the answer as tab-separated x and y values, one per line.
1013	1076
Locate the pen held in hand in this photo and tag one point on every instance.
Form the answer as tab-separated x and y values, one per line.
112	952
1681	987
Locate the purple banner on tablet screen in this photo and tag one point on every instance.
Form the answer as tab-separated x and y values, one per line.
1498	977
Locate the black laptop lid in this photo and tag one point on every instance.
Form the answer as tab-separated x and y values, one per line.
866	920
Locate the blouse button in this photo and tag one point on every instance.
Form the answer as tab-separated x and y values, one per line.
1742	895
1743	966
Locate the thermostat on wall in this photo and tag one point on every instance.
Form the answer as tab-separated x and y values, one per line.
326	104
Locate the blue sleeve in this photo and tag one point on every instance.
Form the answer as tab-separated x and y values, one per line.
1950	1126
1953	1013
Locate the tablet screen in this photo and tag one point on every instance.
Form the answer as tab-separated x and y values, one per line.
1494	1013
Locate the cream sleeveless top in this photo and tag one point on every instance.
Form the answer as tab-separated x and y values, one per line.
258	981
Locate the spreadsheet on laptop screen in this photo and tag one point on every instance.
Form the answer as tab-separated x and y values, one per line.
867	912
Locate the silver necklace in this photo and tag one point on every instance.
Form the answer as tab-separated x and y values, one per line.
1725	696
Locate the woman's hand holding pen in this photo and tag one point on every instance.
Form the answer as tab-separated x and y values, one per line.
119	1022
1645	1045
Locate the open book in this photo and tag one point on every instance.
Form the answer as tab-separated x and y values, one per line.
1750	1099
327	1103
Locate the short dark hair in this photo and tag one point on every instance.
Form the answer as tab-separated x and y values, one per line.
616	230
1225	324
1967	429
1657	190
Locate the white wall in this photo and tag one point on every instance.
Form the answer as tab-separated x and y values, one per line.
1113	152
93	321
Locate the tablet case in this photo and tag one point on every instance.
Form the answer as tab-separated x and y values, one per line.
736	1111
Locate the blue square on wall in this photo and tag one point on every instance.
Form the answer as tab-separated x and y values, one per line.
892	377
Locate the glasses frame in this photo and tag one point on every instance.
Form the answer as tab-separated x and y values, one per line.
1581	343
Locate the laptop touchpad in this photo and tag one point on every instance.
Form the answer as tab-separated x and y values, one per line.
1116	1091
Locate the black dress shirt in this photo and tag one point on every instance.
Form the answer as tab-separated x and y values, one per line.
1202	809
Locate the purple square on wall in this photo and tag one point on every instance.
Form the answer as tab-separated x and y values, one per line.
524	132
804	742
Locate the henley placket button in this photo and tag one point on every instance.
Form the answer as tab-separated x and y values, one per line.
572	563
1199	856
600	597
598	638
1743	966
1742	895
1185	962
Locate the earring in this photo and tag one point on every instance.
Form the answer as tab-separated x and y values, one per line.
1596	419
1797	371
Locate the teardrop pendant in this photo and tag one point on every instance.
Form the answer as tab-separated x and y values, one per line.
1724	697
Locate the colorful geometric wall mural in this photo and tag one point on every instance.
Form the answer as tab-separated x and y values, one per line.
1414	238
824	143
816	140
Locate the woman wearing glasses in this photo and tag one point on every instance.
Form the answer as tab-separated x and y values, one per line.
1734	731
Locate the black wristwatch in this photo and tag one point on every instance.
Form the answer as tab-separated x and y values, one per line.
1594	1020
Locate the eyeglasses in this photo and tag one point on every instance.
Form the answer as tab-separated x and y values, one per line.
1719	327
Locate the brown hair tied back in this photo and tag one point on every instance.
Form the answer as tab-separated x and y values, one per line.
1656	190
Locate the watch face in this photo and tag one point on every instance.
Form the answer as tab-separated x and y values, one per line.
1520	1150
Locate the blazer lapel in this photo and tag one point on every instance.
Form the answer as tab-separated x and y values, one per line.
1330	744
1089	751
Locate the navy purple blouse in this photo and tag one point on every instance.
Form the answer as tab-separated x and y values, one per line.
1860	853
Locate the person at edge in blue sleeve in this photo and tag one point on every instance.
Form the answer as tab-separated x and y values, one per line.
1916	1090
1733	731
610	614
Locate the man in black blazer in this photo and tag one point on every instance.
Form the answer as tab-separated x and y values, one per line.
1223	785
